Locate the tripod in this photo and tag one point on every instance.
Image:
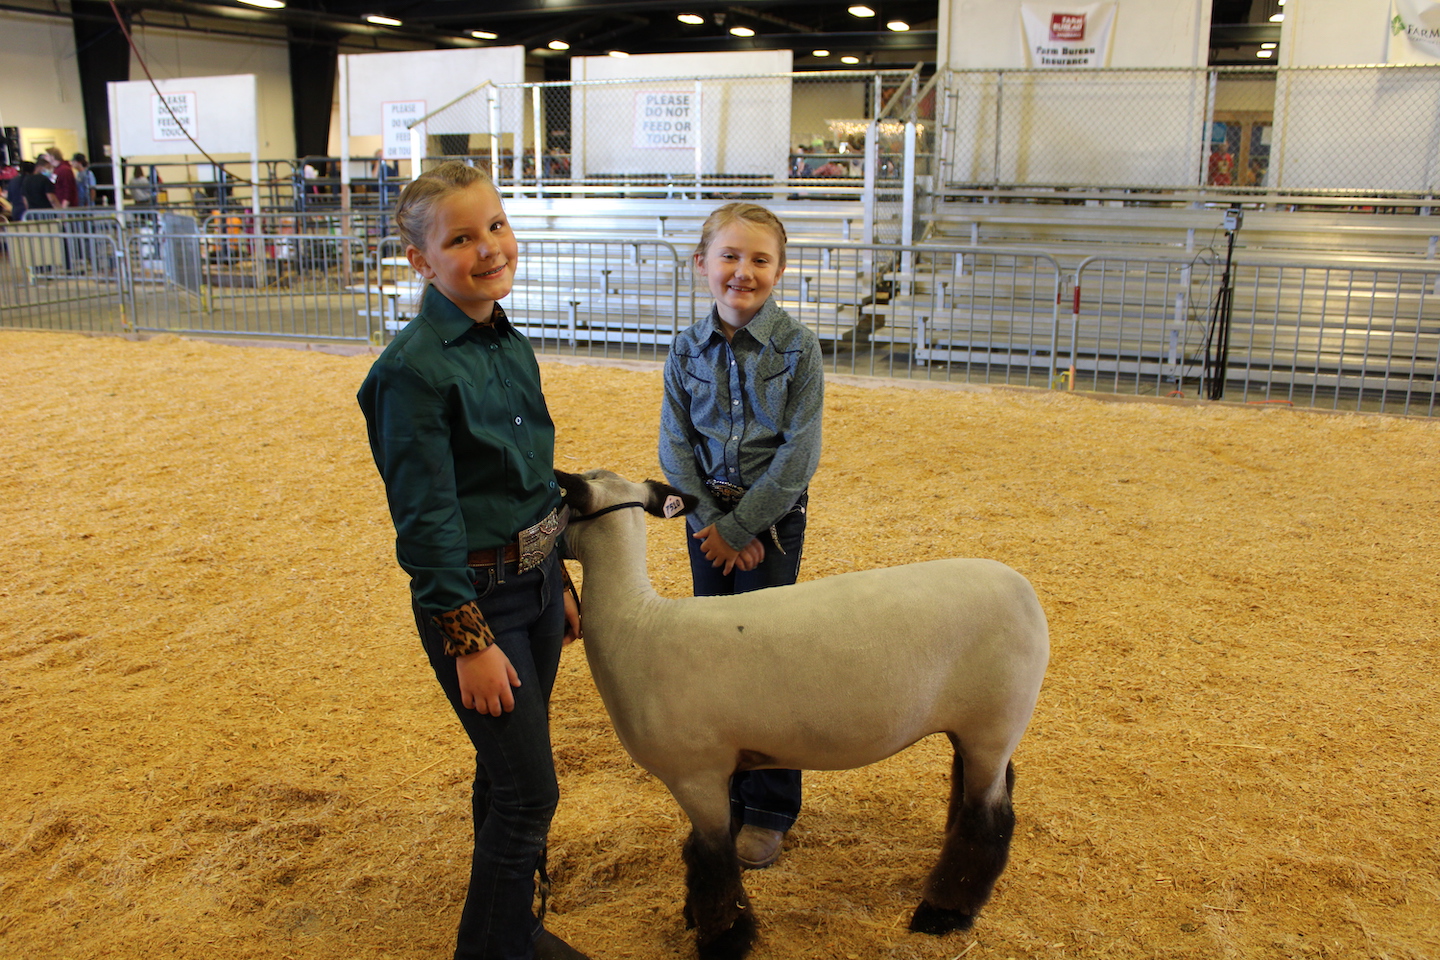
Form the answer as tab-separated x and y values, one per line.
1217	335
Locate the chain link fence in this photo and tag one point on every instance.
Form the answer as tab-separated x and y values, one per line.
803	135
1354	130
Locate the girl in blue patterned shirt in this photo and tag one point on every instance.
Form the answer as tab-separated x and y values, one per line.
740	431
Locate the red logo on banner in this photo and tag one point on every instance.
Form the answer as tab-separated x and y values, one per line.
1067	27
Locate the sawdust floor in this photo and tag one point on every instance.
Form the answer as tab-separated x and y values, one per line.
220	738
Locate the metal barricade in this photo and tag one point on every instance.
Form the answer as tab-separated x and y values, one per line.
573	295
289	286
51	280
1312	334
971	314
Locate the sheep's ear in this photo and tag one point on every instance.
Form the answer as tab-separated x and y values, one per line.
665	501
575	489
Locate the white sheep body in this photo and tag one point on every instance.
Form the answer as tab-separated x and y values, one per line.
859	665
828	674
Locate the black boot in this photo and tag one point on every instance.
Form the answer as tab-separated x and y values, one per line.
550	947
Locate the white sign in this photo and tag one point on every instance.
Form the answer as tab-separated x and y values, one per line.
1067	35
665	119
1414	32
173	116
395	120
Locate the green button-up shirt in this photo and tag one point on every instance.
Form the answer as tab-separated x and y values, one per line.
462	437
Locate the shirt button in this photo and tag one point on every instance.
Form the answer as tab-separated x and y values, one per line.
507	383
735	403
531	454
494	346
517	421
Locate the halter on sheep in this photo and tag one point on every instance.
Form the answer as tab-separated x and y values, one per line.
828	674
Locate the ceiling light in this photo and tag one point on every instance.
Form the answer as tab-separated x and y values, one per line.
267	4
690	18
899	26
849	59
618	54
1277	17
742	32
1267	46
819	53
380	21
860	10
484	35
558	45
1265	53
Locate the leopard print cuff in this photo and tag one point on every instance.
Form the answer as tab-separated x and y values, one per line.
465	630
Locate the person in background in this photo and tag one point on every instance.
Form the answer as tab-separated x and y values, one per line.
15	190
140	189
387	178
740	431
84	180
67	194
39	188
462	437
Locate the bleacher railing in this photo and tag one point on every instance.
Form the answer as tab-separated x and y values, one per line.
1331	336
1301	330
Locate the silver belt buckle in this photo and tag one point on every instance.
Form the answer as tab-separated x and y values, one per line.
536	542
726	492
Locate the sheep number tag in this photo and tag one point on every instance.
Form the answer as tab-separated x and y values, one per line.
673	505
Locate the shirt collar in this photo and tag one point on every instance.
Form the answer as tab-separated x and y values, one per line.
451	323
761	326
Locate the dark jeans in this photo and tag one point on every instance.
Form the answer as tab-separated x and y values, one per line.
763	798
515	790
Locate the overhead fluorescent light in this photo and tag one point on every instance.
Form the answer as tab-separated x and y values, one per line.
819	53
849	59
742	32
1268	46
1277	17
380	21
1265	53
860	10
558	45
692	18
267	4
899	26
484	35
617	54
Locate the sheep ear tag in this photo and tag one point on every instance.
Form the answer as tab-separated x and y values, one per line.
673	506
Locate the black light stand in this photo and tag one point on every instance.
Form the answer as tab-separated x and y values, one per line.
1217	346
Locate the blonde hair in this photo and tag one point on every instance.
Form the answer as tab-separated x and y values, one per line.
415	211
740	213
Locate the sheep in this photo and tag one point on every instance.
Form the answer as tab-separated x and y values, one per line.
828	674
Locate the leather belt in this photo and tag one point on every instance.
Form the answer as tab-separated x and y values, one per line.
529	548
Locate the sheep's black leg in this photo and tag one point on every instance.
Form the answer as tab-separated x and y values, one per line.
715	901
977	846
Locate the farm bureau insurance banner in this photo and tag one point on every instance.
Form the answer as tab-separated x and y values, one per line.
1067	36
1414	32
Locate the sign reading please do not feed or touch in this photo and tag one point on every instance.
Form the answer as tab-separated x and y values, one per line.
665	119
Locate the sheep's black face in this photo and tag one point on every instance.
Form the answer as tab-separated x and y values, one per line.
590	492
576	490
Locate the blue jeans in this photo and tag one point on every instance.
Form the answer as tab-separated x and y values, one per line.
515	790
762	798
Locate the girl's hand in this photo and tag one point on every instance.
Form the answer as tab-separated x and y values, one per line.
751	556
716	550
486	677
572	619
